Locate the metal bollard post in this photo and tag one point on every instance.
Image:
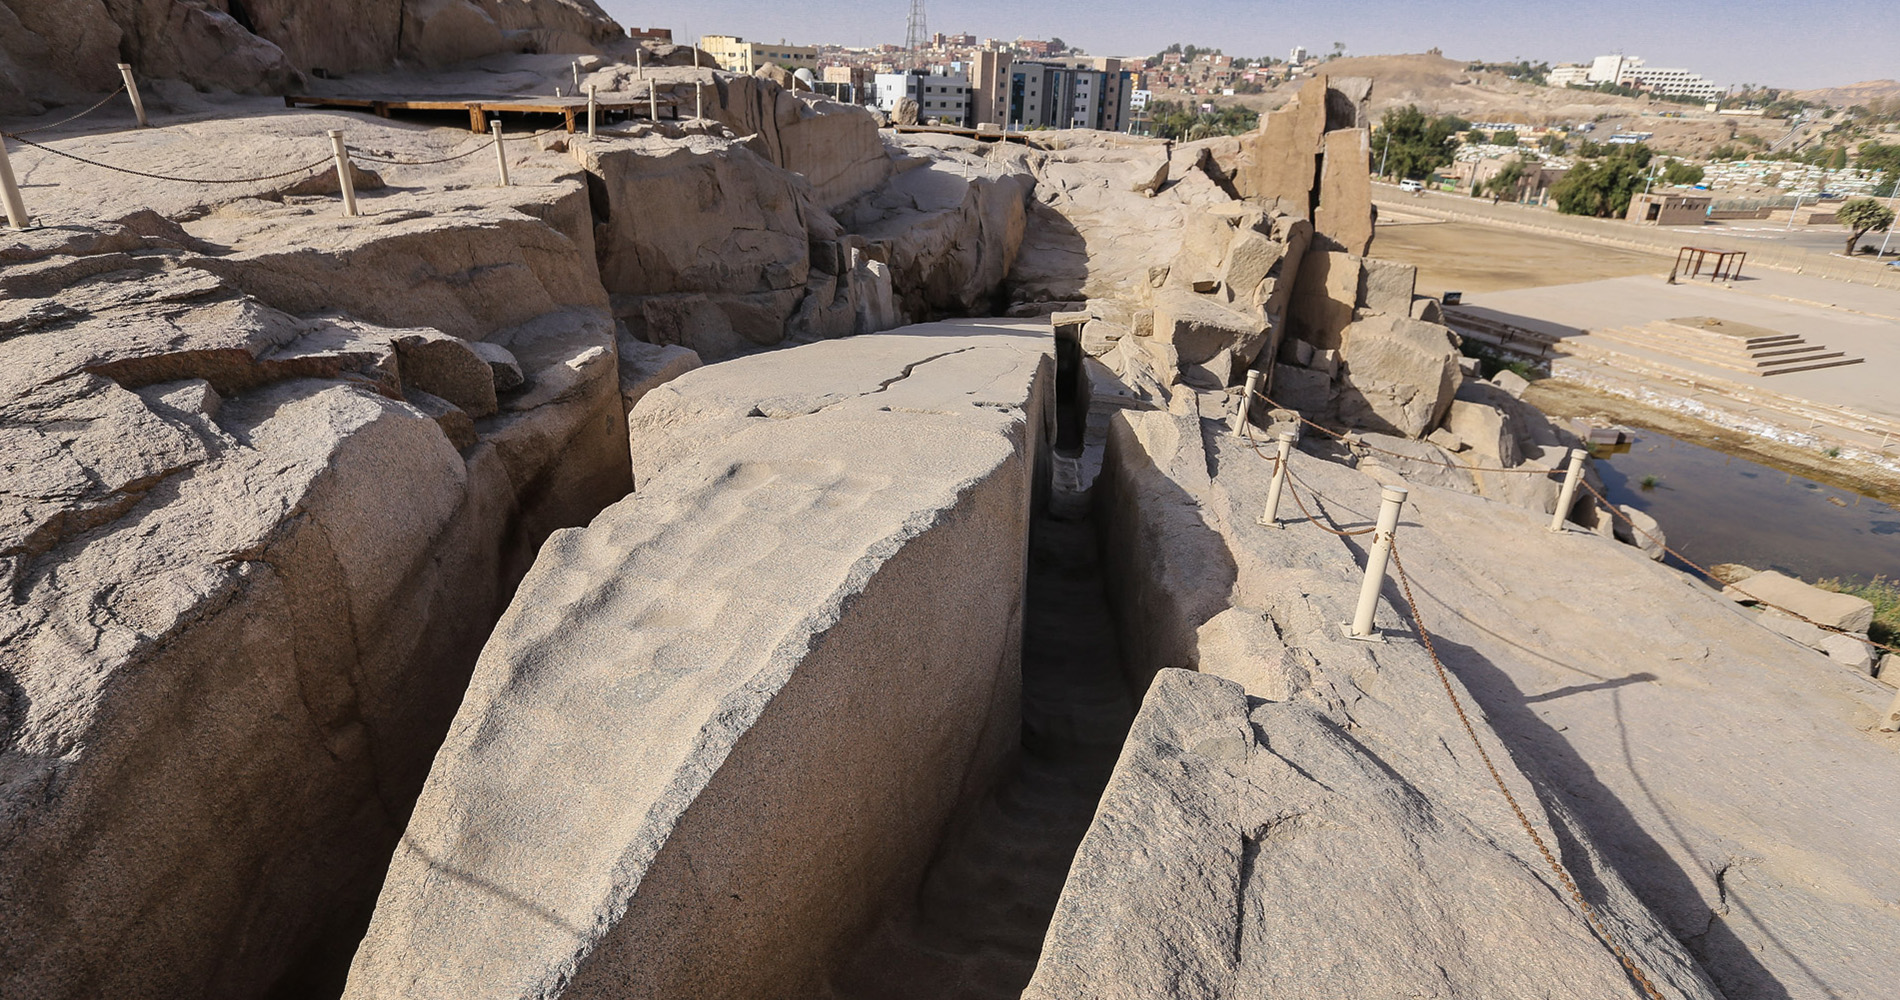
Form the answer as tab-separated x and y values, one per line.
1572	476
1890	721
593	109
1253	386
699	112
132	88
1391	498
577	76
501	155
653	99
10	189
345	182
639	62
1271	517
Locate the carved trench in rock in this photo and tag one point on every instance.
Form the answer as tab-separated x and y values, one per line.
974	925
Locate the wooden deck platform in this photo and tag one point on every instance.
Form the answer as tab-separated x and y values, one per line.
481	108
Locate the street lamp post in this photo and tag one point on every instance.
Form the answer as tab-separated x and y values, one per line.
1383	157
1895	196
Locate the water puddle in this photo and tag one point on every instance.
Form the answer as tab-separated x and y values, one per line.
1716	508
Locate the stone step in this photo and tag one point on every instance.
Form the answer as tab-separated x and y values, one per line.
1788	355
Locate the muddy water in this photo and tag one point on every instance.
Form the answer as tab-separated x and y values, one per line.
1716	508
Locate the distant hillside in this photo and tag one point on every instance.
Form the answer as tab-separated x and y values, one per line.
1853	93
1443	86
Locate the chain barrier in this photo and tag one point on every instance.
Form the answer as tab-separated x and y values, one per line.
1692	564
166	177
357	155
66	121
1556	867
1359	443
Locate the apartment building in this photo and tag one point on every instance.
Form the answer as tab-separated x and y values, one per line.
737	55
942	96
1078	93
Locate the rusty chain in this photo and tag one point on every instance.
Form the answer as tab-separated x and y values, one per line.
1356	443
1556	867
166	177
66	121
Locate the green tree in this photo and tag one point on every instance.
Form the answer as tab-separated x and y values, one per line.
1505	137
1505	183
1681	174
1862	216
1603	187
1553	143
1411	144
1877	156
1476	137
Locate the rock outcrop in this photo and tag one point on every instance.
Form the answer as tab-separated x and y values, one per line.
55	51
266	497
685	807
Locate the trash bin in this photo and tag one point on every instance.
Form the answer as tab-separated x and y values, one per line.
1454	298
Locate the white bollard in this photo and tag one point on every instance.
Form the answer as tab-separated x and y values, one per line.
557	92
653	99
1271	517
699	111
1391	498
345	182
501	155
1572	476
639	61
577	76
1890	722
1253	386
10	189
132	88
593	109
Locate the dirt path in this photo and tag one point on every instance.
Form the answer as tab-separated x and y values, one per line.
1467	257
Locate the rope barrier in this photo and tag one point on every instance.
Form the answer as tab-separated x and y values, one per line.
1556	867
67	121
357	155
1357	443
166	177
1692	564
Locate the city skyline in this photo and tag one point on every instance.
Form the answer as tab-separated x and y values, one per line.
1790	44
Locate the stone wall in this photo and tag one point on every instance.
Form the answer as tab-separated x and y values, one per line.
721	727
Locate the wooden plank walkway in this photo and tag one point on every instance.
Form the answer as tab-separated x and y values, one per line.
479	108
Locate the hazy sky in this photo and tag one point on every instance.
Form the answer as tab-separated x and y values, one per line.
1788	43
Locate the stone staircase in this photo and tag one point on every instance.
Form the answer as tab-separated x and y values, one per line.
1751	350
1630	366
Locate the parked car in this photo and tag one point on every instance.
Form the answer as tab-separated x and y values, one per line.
1411	186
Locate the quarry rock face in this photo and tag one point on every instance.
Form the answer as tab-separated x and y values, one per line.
715	755
256	542
59	50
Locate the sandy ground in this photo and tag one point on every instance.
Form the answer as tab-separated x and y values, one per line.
1468	257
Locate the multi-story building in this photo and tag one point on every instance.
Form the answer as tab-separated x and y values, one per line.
651	35
1297	56
847	83
737	55
1568	76
942	96
1630	71
1078	93
989	73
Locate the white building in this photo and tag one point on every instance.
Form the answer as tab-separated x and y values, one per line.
737	55
1297	56
944	96
1568	76
1138	99
1629	71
